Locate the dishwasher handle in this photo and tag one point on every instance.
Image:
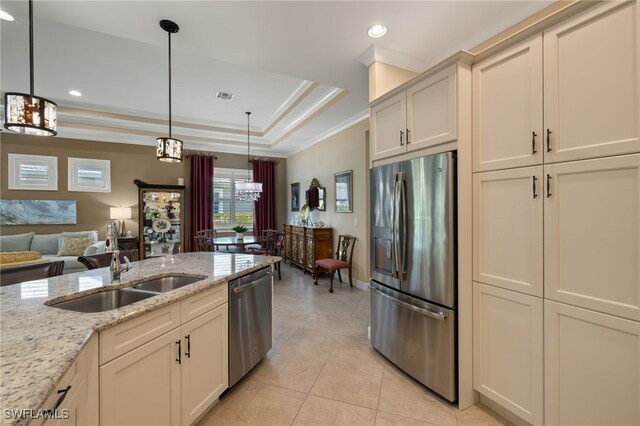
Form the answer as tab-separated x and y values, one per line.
249	286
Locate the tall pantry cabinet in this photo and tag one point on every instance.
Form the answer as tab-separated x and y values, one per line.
556	221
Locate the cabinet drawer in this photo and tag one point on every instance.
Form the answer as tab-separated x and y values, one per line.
201	303
129	335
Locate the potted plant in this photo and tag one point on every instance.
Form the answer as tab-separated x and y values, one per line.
240	230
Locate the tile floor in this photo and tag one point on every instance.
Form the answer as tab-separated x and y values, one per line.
323	371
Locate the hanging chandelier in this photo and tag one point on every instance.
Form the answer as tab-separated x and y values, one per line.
248	190
169	149
27	113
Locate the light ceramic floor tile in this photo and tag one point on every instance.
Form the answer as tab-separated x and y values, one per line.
404	397
480	415
255	403
386	419
321	411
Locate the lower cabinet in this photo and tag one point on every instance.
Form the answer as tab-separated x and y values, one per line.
592	367
78	389
173	378
508	350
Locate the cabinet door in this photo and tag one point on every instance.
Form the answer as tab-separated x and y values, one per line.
592	367
431	111
508	351
310	255
508	229
591	83
205	370
388	127
142	387
592	234
507	108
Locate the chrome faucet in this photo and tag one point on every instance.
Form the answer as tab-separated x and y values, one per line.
111	242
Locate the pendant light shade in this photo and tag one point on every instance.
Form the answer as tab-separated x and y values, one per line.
248	190
27	113
169	149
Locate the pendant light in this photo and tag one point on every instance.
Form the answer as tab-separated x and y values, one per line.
248	190
27	113
169	149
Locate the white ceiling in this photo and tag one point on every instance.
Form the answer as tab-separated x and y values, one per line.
294	64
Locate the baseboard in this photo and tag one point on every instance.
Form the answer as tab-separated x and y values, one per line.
362	285
502	411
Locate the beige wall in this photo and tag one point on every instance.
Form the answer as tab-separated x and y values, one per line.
128	162
384	78
346	150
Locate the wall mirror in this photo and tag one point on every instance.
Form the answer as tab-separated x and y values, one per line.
161	220
316	196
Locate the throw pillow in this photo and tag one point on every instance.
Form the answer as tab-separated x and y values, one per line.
78	234
45	243
20	242
73	246
97	248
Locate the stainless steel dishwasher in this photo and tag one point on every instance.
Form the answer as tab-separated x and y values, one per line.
250	310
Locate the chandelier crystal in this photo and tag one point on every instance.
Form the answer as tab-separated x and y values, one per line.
27	113
248	190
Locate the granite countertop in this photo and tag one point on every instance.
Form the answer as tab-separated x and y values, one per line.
38	343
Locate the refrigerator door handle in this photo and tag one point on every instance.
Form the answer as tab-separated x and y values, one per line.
402	219
440	316
395	227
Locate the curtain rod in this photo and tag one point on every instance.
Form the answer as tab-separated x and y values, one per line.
200	153
254	159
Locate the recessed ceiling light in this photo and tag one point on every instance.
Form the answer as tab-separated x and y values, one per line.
376	31
75	93
5	16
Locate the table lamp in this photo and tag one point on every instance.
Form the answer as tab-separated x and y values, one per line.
120	213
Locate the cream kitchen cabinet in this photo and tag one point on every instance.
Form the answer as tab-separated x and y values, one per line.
590	95
592	234
508	350
75	398
592	367
166	377
423	115
508	229
507	108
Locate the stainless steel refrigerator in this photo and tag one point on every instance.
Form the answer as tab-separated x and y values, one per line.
413	268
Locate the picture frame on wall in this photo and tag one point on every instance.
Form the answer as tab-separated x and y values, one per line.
344	192
295	197
89	175
33	172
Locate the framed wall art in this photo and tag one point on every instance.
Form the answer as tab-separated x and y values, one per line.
88	175
344	191
33	172
38	212
295	197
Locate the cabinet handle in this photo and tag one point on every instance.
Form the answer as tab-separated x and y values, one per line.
401	135
63	394
408	141
188	339
535	180
179	359
533	142
548	185
548	140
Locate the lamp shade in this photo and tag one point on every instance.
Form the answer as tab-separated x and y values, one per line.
169	149
31	115
120	213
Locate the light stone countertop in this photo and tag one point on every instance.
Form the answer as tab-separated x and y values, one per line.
38	343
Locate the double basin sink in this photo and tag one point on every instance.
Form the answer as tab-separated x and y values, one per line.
114	299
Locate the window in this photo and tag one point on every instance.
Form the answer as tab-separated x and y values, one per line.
88	175
33	172
228	211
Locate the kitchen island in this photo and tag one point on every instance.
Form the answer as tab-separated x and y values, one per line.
39	343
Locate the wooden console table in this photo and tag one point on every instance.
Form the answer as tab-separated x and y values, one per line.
303	246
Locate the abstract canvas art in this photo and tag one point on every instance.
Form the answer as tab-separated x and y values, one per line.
38	212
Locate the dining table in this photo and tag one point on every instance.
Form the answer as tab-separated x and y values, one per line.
239	244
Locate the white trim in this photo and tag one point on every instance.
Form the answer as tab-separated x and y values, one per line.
74	185
362	285
17	160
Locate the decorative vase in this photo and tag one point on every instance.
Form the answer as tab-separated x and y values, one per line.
239	235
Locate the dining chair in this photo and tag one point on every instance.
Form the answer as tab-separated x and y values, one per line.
18	274
103	260
343	260
271	247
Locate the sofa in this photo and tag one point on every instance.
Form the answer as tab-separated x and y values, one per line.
66	246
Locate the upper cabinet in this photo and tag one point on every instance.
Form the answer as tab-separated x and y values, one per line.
421	116
590	96
507	108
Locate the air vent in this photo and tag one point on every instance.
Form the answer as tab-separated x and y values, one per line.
225	96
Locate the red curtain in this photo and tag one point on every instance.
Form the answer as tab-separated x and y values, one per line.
200	201
265	208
